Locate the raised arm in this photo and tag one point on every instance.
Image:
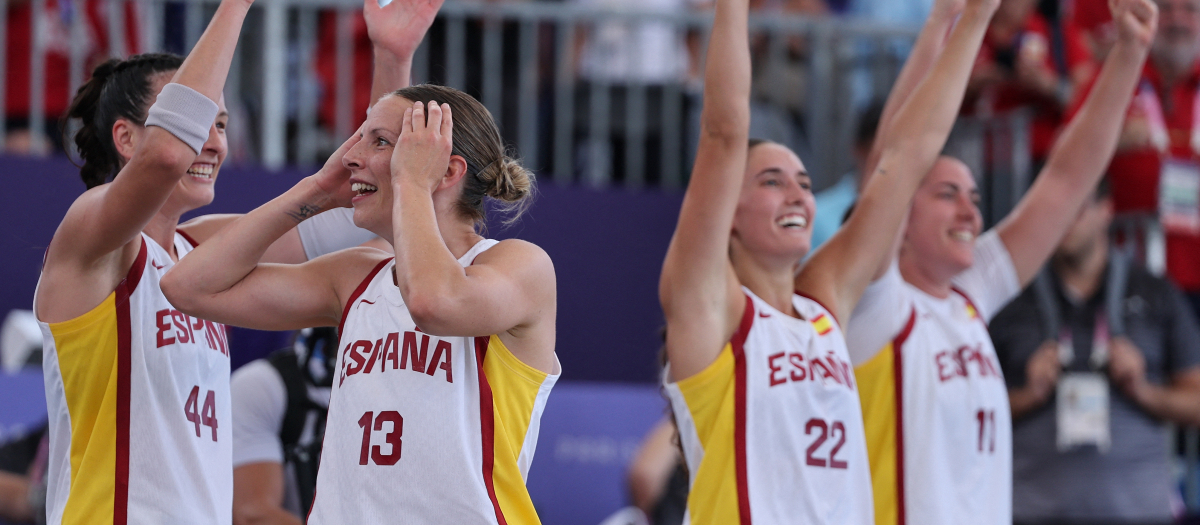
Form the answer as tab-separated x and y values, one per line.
925	51
841	269
1085	147
222	280
113	215
698	289
396	30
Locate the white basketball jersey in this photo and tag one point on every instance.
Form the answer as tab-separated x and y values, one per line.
935	405
139	415
772	430
425	429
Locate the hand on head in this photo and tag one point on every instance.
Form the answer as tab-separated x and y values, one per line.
400	25
1136	20
422	155
334	176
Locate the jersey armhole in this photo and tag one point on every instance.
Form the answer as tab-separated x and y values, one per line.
362	287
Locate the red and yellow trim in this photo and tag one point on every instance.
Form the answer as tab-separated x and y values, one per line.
94	359
881	391
716	401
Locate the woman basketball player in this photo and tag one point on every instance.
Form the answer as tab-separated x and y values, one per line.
934	402
759	377
447	343
137	390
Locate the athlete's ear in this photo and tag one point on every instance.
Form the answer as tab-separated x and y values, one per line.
455	171
125	135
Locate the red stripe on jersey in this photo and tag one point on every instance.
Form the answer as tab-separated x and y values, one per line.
185	236
738	343
970	302
362	287
487	425
822	305
898	375
124	350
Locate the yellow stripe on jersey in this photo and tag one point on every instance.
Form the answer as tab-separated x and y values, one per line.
710	401
822	324
515	386
877	392
87	363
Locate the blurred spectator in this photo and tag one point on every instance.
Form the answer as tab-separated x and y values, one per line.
658	478
54	30
327	66
835	201
1034	59
279	408
22	480
779	90
901	12
1159	152
625	58
1118	350
1093	20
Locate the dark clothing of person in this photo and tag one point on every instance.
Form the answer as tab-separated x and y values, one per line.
1131	482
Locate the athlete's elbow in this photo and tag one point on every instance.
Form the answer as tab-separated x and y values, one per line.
174	286
430	310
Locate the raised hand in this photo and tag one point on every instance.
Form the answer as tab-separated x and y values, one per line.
422	153
399	26
334	178
1137	21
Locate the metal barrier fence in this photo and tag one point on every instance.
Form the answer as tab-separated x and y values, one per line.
627	117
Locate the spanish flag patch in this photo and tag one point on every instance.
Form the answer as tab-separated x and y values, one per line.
822	324
971	313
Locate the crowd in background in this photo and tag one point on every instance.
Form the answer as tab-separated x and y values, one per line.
1039	56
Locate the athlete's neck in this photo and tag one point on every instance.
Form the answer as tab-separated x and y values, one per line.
162	228
1081	273
774	284
924	277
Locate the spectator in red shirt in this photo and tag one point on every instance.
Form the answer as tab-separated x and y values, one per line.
1093	20
1028	60
1162	131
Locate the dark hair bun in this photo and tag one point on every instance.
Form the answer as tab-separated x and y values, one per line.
117	89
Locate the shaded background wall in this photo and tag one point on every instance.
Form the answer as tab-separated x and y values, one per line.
607	247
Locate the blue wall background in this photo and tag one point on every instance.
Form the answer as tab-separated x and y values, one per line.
607	247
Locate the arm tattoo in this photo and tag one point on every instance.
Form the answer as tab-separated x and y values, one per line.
305	211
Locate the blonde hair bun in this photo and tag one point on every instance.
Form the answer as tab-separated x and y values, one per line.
507	180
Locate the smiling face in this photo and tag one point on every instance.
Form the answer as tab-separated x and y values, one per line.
369	162
196	187
776	206
944	220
